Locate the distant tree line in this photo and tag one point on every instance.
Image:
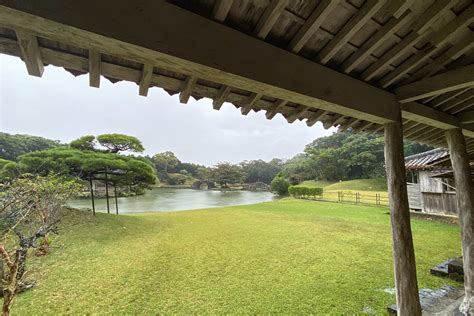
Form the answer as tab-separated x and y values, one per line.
340	156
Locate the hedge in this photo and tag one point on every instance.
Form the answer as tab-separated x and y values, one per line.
301	192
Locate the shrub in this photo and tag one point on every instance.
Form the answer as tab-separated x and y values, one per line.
175	179
280	185
301	192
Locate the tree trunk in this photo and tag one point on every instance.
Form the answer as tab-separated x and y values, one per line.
406	285
92	195
116	203
465	205
107	193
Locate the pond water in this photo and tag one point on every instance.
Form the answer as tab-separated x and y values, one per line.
169	199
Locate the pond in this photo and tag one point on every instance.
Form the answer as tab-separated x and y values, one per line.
170	199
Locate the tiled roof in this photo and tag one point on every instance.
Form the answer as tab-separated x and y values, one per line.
422	161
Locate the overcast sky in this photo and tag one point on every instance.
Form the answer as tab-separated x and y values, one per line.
63	107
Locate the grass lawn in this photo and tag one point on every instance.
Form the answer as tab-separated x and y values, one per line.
315	183
289	256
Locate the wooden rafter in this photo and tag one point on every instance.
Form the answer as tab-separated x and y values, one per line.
437	101
253	98
31	53
299	112
221	97
145	80
436	39
348	124
350	29
468	94
466	105
277	107
269	17
374	42
221	9
467	118
419	25
188	87
445	82
314	118
439	63
94	68
312	24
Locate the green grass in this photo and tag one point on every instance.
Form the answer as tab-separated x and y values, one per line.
378	185
288	256
315	183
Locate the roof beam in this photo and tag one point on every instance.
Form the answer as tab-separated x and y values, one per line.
451	54
277	107
313	119
442	83
466	105
436	39
221	9
94	68
187	89
420	26
468	94
297	113
145	80
30	53
219	54
220	97
437	101
383	34
350	29
269	17
253	98
312	24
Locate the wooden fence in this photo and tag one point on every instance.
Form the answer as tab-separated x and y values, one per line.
366	198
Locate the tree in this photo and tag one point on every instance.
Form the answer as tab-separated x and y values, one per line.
260	171
118	142
225	173
166	161
280	185
13	146
30	209
90	165
84	143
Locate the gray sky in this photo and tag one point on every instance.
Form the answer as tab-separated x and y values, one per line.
63	107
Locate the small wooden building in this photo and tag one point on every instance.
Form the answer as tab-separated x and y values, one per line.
430	183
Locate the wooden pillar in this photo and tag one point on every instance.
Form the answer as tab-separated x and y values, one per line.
465	204
406	285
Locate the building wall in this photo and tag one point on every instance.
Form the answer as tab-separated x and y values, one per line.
439	203
429	184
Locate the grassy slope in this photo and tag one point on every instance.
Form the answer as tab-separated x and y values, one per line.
279	257
379	185
315	183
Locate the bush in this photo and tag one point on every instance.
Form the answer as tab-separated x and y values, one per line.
301	192
280	185
176	179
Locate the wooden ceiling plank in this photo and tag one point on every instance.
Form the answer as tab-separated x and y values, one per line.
312	24
188	87
448	81
221	9
436	39
412	62
437	101
315	117
417	130
463	106
221	97
277	107
420	26
30	53
350	29
145	80
457	100
269	17
94	68
297	113
374	42
451	54
467	118
253	98
348	124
